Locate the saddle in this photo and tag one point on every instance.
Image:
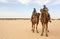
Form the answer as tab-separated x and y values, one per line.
45	11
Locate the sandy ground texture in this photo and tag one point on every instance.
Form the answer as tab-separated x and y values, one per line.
21	29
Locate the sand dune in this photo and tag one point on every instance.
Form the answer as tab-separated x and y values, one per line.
21	29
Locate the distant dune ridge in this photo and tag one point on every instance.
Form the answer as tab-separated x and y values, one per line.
22	19
14	18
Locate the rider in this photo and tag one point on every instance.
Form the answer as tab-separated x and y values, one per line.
45	8
34	12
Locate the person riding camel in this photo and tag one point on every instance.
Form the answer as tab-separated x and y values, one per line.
46	9
33	13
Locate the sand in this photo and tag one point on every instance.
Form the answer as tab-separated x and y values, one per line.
21	29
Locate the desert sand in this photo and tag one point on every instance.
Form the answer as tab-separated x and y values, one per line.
21	29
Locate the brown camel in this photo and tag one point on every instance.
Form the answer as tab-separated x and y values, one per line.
35	20
44	21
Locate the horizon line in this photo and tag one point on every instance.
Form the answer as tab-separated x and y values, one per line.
22	19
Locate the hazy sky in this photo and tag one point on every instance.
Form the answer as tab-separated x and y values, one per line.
24	8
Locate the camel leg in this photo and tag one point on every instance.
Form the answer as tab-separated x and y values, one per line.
42	29
47	27
32	27
36	28
46	30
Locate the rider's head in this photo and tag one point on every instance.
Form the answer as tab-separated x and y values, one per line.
34	9
44	6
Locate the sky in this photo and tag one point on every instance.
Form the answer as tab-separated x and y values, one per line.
24	8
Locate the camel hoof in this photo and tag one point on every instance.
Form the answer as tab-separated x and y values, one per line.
32	30
37	31
46	35
41	34
48	30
